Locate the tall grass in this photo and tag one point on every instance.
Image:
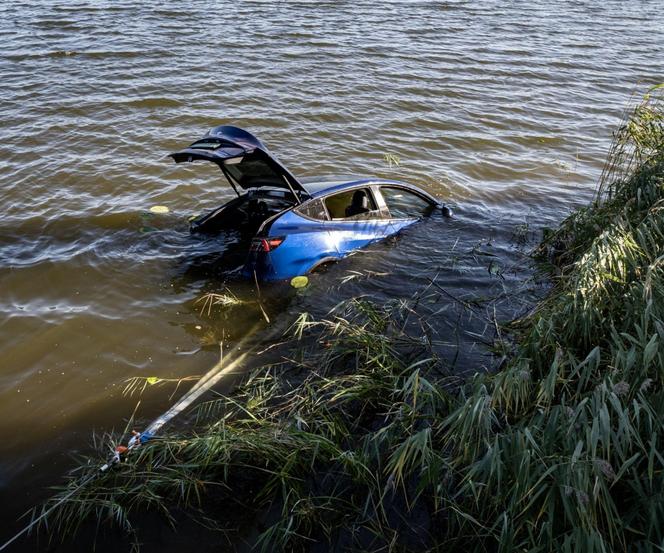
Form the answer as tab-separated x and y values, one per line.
355	445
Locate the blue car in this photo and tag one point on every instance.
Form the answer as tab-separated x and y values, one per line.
298	225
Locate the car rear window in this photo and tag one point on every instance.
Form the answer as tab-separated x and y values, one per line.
313	210
254	172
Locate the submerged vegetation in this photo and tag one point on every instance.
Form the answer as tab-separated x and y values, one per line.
361	444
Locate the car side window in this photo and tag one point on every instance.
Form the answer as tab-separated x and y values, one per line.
358	204
313	210
404	203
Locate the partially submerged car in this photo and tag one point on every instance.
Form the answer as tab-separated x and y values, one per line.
297	225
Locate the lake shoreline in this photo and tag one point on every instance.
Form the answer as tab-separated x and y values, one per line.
363	442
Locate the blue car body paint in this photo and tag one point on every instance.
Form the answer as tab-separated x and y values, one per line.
307	244
287	242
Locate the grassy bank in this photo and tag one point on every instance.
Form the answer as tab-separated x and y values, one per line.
356	445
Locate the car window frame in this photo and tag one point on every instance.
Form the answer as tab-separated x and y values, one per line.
376	202
406	189
296	209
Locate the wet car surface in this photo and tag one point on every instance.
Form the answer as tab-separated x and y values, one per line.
295	226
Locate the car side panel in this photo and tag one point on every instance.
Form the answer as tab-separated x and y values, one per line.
352	235
308	242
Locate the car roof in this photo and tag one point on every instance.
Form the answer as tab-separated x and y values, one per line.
322	186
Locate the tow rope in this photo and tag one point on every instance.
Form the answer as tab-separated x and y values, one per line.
207	381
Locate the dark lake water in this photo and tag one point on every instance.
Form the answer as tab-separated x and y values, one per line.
505	110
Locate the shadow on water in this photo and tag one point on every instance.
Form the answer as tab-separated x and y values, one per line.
228	304
222	260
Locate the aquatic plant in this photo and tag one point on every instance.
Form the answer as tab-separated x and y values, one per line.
354	443
214	299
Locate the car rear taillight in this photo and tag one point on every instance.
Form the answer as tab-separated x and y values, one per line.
266	244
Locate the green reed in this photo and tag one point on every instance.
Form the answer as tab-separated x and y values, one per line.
354	443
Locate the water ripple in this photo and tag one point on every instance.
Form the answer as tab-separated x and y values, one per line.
503	110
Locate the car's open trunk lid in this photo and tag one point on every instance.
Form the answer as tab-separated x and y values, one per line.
244	160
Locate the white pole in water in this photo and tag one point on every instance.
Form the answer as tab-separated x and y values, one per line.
209	379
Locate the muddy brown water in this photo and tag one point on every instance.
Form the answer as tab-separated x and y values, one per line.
505	110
